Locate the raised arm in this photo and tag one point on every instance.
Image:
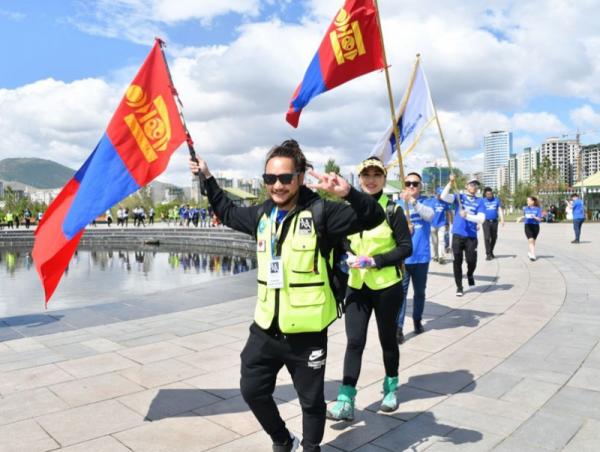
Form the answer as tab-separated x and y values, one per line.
241	219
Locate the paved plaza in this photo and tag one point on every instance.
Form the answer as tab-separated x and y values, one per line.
514	365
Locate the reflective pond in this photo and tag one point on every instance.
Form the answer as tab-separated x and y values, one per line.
96	275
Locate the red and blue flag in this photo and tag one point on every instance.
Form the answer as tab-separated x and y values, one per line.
141	136
351	48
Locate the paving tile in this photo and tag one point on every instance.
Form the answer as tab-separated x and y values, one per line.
224	383
179	434
350	435
204	340
418	434
88	422
462	439
493	384
104	444
235	415
549	430
101	345
475	420
213	359
26	436
94	389
24	344
154	352
168	401
160	373
586	378
28	404
576	401
35	377
531	392
95	365
587	438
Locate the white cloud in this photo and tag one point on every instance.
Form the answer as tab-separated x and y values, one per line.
585	117
483	63
141	20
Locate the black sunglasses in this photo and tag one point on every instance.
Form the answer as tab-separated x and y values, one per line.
285	178
411	183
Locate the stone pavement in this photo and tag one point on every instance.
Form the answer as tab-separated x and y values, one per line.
514	365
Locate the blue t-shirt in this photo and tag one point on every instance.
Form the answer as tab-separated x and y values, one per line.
491	208
420	237
530	212
439	208
578	211
472	205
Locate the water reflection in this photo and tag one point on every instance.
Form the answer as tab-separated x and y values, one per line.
96	274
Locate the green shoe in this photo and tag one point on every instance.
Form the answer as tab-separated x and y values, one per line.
390	402
343	410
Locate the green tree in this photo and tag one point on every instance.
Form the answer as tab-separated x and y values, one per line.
522	192
330	167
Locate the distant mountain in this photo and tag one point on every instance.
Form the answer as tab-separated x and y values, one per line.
35	172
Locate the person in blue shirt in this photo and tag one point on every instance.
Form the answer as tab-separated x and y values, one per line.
417	265
493	213
578	210
470	212
439	225
532	214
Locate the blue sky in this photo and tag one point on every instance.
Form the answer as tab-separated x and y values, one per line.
236	63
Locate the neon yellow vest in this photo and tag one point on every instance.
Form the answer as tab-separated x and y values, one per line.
305	303
378	240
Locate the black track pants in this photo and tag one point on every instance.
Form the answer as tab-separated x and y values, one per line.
359	305
304	356
468	246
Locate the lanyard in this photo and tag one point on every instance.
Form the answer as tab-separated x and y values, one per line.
275	231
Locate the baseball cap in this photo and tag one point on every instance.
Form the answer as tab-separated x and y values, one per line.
474	181
371	162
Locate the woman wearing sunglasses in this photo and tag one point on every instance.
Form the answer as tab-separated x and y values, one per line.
295	303
374	284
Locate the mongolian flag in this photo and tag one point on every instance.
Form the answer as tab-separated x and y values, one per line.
141	136
351	47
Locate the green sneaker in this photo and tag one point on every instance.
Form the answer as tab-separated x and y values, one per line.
343	410
390	402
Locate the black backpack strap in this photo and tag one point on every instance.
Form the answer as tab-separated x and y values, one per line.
390	210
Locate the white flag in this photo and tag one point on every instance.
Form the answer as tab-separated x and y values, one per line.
417	115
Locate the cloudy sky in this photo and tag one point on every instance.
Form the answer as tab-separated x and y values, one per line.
530	67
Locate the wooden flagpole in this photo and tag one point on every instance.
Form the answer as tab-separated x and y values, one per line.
392	109
190	142
437	120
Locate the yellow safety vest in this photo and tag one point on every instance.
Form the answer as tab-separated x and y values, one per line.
305	303
378	240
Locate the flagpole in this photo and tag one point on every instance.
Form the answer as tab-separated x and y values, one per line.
175	94
393	113
447	153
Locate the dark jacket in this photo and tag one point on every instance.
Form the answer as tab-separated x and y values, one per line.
359	213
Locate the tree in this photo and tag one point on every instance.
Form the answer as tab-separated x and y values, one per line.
330	167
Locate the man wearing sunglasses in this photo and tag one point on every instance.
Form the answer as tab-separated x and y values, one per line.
417	265
295	304
469	213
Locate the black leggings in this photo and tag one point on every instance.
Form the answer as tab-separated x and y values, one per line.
468	245
359	305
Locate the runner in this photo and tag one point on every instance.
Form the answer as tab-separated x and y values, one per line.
439	227
375	258
493	212
295	304
532	214
464	230
578	212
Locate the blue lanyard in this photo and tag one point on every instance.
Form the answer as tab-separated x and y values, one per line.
275	232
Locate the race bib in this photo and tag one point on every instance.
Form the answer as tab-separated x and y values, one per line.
275	276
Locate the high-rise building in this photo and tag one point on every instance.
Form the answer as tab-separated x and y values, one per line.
563	155
513	173
497	147
590	161
501	177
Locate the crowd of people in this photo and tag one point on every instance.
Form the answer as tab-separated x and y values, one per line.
370	248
